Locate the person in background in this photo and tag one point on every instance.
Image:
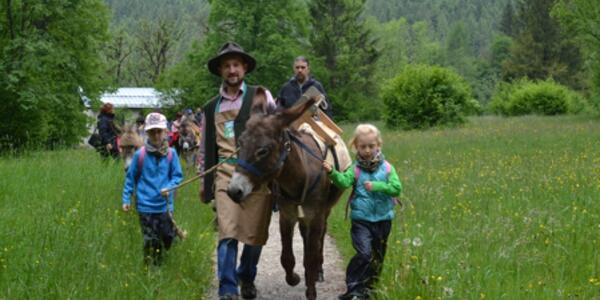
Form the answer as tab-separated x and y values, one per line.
299	84
175	129
108	131
139	126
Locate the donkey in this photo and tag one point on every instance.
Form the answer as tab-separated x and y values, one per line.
272	151
129	141
189	141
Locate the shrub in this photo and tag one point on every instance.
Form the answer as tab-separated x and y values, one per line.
425	96
535	97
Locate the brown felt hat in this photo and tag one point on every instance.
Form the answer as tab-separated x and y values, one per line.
230	48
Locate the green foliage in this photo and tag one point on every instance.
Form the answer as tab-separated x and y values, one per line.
400	44
150	36
500	208
581	18
482	17
507	22
500	51
459	57
336	33
48	55
530	97
456	34
541	49
426	96
271	31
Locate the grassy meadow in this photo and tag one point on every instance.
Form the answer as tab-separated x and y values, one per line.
64	236
502	208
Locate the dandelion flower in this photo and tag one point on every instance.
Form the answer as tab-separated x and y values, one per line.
417	242
448	292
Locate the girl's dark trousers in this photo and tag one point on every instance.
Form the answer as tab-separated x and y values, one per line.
369	239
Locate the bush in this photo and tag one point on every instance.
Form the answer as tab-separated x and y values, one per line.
425	96
531	97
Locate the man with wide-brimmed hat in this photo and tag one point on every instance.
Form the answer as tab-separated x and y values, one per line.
224	120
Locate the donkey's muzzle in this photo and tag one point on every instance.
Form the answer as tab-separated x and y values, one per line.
235	194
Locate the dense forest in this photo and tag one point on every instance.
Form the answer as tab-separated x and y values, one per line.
53	52
149	36
439	31
481	17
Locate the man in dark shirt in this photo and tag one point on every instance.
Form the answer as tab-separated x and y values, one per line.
299	84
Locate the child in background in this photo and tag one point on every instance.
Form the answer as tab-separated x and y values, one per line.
160	170
372	208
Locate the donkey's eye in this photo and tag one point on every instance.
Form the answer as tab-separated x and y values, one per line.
261	152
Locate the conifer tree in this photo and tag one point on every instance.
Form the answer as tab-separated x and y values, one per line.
541	49
343	43
507	23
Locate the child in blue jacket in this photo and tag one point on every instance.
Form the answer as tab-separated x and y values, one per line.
372	208
158	171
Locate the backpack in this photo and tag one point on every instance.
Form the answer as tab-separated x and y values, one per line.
140	161
140	164
357	172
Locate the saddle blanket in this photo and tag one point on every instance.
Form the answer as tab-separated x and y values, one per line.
344	159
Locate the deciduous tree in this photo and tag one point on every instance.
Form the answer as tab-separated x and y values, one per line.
49	52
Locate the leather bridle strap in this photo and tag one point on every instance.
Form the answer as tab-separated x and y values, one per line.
252	169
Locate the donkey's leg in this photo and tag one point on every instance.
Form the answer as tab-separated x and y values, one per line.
288	261
313	259
320	274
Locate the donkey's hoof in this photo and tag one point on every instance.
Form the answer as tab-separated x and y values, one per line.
320	277
293	279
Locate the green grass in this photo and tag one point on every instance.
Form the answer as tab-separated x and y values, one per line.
505	208
63	234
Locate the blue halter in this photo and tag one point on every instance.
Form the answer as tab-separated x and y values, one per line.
285	150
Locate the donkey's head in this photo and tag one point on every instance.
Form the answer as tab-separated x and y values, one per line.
264	146
128	143
188	138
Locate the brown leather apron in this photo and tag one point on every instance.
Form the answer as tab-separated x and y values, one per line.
247	222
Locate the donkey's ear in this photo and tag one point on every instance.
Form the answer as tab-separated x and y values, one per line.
260	105
291	114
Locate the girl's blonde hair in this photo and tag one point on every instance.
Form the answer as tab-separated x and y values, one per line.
363	129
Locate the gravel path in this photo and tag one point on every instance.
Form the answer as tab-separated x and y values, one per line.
270	281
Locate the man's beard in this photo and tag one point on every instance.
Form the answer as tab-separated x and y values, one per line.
300	78
233	81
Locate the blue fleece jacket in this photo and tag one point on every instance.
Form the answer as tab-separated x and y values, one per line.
157	173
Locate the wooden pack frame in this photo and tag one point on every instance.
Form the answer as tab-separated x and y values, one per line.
326	132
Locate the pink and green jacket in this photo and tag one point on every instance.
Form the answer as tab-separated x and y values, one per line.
375	205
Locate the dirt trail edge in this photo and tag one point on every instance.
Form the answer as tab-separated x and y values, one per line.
270	281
